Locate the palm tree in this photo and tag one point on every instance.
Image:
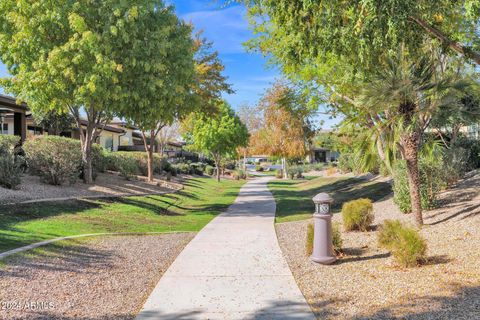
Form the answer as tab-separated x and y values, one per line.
403	98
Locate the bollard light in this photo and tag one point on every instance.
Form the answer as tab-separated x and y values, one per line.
322	236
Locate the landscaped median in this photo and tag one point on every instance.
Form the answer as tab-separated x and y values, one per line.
187	210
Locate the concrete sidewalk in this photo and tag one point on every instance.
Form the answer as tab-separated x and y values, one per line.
232	269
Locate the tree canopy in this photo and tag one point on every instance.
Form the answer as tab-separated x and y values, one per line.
217	135
285	130
300	31
132	59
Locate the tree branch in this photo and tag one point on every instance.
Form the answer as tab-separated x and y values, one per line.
456	46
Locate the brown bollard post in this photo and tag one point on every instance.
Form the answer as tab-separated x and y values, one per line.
322	239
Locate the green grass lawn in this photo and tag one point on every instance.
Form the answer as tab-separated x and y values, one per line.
294	197
188	210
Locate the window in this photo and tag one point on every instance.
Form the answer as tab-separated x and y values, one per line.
4	129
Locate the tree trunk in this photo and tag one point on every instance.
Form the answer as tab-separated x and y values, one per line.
87	160
149	149
87	138
411	142
454	45
86	143
217	165
284	168
245	161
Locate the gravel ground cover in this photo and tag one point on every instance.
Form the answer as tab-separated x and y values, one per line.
366	284
105	185
94	278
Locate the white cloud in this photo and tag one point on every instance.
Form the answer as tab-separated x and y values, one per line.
227	28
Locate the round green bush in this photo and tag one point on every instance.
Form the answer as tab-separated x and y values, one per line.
56	159
258	168
197	168
10	164
405	243
209	170
357	214
183	168
239	174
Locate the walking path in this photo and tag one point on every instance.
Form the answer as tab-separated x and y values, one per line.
232	269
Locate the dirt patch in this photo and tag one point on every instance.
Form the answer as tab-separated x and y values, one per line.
366	283
98	278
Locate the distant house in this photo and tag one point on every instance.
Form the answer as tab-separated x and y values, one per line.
258	158
115	136
322	155
13	117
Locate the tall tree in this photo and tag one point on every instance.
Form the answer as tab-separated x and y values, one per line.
158	72
404	98
338	48
218	135
285	131
210	82
54	123
250	116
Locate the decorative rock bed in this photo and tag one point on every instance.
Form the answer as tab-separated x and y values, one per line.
366	283
95	278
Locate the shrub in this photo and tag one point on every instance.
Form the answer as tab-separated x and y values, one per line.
209	170
455	164
346	162
331	171
56	159
472	160
10	165
291	174
279	174
118	161
405	243
197	168
432	180
310	238
10	171
239	174
8	144
295	172
357	214
258	168
183	168
127	167
336	238
99	158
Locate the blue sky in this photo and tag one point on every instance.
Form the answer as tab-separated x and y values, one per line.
228	28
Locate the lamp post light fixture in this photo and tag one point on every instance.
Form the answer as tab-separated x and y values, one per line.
322	236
